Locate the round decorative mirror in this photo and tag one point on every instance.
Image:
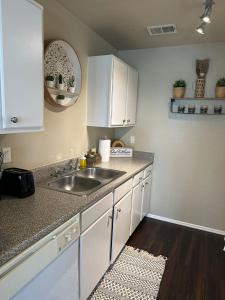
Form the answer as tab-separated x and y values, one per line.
62	74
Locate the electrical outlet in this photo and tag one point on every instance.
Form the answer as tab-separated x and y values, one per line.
132	139
6	155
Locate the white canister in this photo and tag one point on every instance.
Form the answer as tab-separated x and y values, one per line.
104	149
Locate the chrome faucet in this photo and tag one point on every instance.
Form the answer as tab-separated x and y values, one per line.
74	165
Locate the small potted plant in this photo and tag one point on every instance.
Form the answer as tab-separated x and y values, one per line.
50	81
179	88
72	84
60	83
220	88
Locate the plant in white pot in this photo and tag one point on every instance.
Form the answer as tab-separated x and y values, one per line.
220	88
179	88
50	81
72	86
60	82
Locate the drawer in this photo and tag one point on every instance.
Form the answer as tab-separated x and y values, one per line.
138	178
94	212
122	190
147	171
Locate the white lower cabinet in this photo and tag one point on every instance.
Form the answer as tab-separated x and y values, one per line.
136	212
121	225
146	195
95	244
101	241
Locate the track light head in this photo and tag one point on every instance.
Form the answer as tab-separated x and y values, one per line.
201	28
206	17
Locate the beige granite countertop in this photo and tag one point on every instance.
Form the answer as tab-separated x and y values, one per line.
25	221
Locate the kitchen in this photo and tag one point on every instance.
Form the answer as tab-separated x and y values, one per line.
188	168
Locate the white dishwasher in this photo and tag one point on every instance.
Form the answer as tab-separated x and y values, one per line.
47	270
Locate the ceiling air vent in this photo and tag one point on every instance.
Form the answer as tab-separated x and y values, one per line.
162	29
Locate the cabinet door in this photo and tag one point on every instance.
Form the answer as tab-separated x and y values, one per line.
95	245
121	225
21	64
146	196
119	93
136	207
132	88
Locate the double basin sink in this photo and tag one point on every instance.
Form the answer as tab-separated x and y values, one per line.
83	182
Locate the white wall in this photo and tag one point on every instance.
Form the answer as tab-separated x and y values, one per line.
189	169
66	134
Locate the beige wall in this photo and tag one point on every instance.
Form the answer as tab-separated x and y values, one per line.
65	132
189	169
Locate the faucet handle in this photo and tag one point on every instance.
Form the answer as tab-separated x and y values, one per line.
54	171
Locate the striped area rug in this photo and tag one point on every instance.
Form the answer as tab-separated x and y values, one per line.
136	275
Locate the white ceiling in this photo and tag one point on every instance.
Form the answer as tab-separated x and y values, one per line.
123	22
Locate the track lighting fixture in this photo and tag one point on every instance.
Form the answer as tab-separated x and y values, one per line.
206	16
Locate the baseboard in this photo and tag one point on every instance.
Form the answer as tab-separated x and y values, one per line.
208	229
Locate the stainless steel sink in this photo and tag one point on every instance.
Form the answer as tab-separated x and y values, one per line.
100	173
74	184
82	182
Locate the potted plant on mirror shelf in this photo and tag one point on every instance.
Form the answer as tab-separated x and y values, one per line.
179	88
50	81
72	84
220	88
60	82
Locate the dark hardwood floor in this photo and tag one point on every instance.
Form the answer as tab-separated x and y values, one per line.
195	269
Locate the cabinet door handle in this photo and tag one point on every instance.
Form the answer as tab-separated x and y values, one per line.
128	121
146	183
109	220
124	121
14	120
118	211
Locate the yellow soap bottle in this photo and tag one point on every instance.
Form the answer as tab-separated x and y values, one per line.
83	162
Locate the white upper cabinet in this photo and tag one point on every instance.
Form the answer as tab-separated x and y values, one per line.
131	103
119	93
21	66
112	92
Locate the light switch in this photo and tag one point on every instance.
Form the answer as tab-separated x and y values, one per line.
132	139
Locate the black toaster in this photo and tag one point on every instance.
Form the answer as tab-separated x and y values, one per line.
17	182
